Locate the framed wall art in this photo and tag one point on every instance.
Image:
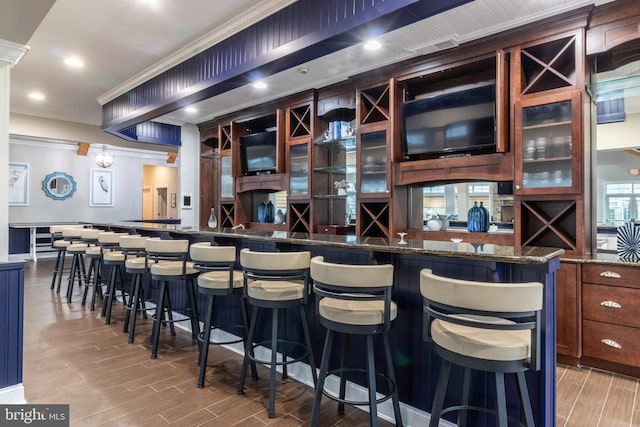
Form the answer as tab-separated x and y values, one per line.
101	187
18	184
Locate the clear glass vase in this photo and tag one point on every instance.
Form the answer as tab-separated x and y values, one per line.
213	220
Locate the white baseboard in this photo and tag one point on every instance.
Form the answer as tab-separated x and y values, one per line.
301	372
12	395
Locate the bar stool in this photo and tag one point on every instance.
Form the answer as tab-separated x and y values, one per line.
114	259
77	249
133	248
61	242
483	326
93	253
218	278
168	263
276	281
355	300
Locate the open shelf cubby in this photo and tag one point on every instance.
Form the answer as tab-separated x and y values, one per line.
226	214
549	65
549	223
374	219
300	217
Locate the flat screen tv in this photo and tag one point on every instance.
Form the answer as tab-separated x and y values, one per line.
452	124
258	153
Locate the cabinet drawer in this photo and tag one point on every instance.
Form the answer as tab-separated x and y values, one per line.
624	343
334	229
612	304
611	275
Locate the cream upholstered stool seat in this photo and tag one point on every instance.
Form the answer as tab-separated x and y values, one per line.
276	281
218	278
483	326
135	264
113	258
93	253
355	300
168	260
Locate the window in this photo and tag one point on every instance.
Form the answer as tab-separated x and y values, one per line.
622	202
479	192
433	201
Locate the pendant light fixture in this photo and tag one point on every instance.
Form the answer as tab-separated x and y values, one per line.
104	159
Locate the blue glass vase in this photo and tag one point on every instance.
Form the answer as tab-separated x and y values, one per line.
270	213
262	212
478	219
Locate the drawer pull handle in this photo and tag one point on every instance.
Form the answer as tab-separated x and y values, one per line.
610	304
610	343
610	274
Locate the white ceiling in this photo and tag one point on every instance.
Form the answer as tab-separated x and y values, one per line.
124	42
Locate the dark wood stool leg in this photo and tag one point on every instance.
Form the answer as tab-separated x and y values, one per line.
371	381
155	334
248	349
324	368
392	376
271	410
242	305
206	335
441	388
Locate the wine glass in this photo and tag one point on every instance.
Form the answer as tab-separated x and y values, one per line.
402	241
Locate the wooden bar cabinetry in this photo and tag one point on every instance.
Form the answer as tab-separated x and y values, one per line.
611	325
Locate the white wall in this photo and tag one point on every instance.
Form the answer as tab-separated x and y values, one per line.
190	174
5	72
47	157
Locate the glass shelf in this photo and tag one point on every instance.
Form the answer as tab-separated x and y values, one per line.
373	162
348	143
547	151
298	170
629	84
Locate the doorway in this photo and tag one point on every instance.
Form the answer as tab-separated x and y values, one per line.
161	202
160	186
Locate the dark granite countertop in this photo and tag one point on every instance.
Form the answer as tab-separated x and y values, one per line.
491	252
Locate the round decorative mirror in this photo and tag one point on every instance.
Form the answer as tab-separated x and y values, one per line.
59	185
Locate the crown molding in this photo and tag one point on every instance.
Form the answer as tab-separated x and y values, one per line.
239	23
12	52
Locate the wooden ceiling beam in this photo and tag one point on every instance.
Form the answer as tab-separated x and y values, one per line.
171	158
83	148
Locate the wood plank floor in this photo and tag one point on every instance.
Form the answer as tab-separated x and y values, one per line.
71	356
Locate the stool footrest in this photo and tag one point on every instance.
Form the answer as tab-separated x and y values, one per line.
235	341
337	372
283	362
479	409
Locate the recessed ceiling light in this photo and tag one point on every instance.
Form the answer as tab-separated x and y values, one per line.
36	96
260	84
191	110
372	45
74	62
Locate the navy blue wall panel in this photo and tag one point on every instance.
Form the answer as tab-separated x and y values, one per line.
11	322
19	240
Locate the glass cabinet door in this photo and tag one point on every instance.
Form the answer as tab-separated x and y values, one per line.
548	148
226	179
373	162
299	170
